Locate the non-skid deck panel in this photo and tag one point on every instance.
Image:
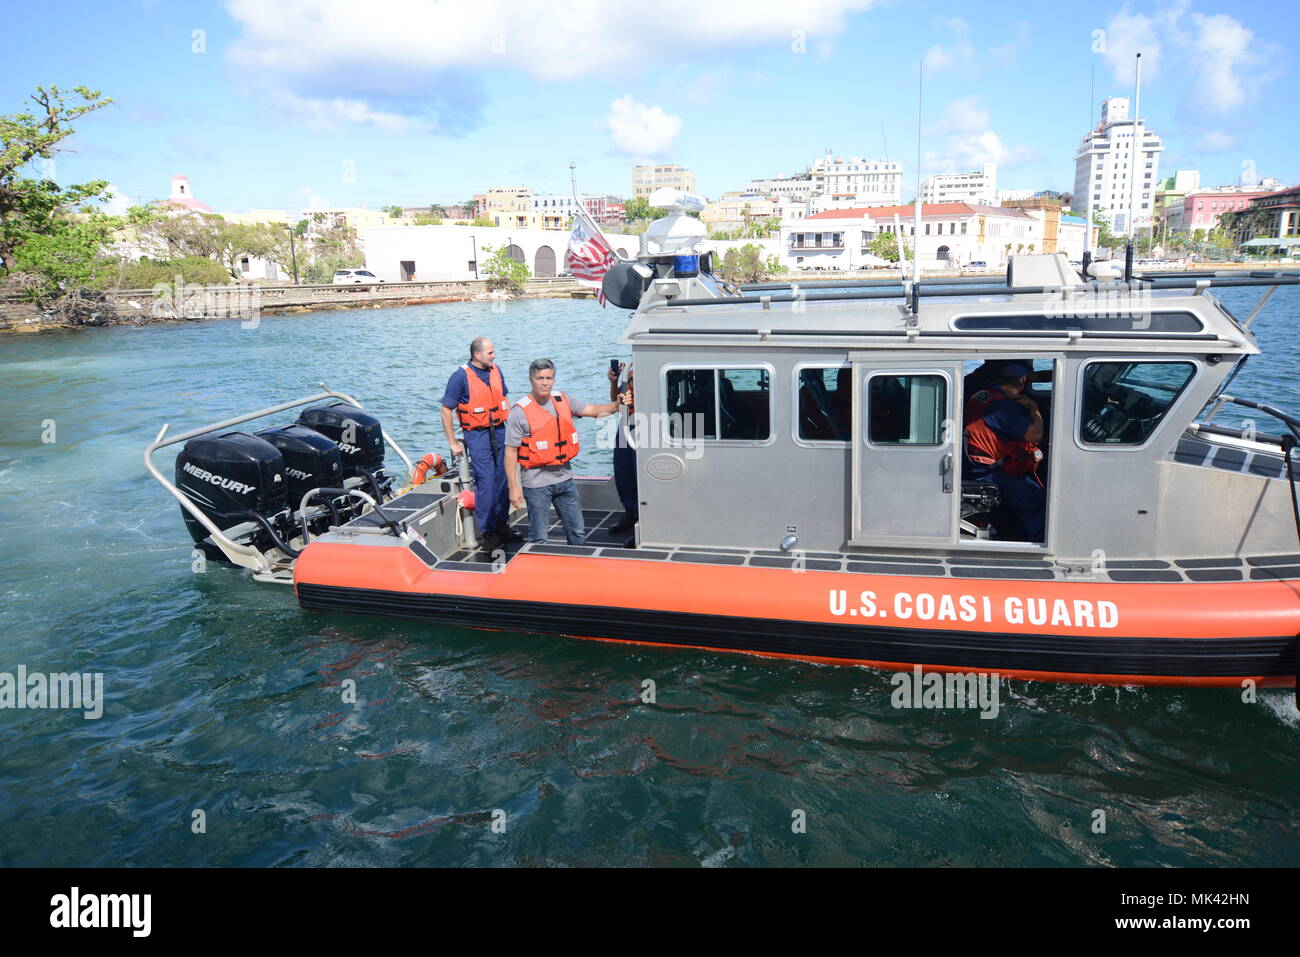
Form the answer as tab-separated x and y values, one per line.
399	509
602	543
1064	655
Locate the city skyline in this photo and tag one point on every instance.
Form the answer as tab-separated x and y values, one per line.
294	103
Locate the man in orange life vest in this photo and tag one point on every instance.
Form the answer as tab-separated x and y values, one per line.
541	441
477	391
1002	430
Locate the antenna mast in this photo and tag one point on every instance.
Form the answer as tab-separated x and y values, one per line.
916	226
1132	183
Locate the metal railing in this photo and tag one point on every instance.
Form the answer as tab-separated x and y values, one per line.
243	555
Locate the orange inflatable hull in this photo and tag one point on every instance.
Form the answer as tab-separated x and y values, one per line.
1219	633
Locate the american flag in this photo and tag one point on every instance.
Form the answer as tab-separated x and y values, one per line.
589	256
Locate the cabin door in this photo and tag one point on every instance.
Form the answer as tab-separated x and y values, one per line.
906	436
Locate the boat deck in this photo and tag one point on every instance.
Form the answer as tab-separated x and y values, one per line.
604	544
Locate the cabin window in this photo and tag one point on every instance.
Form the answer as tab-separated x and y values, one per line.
906	409
1092	314
825	404
720	404
1123	403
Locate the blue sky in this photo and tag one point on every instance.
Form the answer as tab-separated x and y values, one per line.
286	103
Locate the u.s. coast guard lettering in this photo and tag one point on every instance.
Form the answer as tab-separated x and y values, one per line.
984	609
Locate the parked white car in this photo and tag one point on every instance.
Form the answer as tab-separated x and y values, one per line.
348	277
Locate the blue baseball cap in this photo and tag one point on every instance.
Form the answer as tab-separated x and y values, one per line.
1012	370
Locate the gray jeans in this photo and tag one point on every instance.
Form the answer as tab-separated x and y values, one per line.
564	495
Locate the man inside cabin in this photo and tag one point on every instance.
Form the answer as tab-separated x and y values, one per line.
1003	427
541	442
477	391
625	449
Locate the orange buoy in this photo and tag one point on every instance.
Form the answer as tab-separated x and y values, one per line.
430	464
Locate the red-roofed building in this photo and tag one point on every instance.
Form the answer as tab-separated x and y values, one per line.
1202	209
953	234
1283	207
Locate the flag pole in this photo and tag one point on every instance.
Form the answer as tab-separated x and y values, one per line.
580	210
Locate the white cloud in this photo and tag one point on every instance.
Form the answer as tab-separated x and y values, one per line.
117	202
327	113
422	59
971	141
960	53
311	199
1217	141
1224	46
1009	52
1211	57
1126	35
641	130
960	116
972	150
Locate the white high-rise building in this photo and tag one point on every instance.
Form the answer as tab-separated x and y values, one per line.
786	188
1118	167
862	182
978	186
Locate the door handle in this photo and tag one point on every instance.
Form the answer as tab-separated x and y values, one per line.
945	470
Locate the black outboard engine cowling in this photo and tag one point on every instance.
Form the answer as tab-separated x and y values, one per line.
231	477
359	437
311	460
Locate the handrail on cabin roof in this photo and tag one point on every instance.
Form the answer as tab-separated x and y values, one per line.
1268	279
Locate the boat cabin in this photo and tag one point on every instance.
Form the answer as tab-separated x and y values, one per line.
829	417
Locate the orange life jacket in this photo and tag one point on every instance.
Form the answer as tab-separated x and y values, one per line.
487	406
985	447
553	439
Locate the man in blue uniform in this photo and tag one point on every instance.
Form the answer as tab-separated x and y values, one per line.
480	403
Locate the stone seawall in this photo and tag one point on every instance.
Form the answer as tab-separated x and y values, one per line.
242	301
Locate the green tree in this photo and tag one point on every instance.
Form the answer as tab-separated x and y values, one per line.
394	212
748	263
639	208
885	245
1105	240
54	242
322	267
503	271
148	273
33	205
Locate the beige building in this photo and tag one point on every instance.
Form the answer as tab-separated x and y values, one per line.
277	217
734	210
507	206
647	179
357	217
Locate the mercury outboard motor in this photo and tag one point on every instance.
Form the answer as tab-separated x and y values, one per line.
234	478
360	441
310	461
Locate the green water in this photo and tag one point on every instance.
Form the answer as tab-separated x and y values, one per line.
223	697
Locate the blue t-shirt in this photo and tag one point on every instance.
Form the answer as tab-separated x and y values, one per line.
458	389
1008	420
